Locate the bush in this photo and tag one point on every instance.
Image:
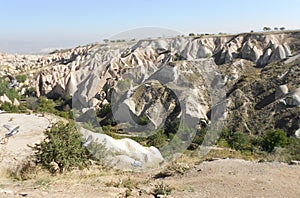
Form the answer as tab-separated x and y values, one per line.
62	145
45	105
124	84
224	140
21	78
162	189
104	110
294	148
31	91
199	137
274	138
172	126
159	139
6	106
240	141
11	93
143	120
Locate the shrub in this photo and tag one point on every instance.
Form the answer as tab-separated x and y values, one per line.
31	91
240	141
143	120
45	105
98	152
159	139
199	137
61	145
21	78
11	93
162	189
294	148
225	134
274	138
124	84
105	109
64	114
224	139
6	106
172	126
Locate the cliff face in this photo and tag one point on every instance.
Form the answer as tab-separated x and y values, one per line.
177	75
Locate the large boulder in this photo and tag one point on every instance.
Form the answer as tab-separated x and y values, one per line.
294	98
297	133
125	153
281	91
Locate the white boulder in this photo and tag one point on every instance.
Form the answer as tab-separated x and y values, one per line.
126	153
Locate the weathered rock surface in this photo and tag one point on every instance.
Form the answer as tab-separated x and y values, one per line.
125	153
4	99
252	67
68	68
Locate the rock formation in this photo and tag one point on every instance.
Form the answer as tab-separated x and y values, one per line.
251	69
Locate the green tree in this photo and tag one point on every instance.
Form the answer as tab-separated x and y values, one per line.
62	145
266	28
274	138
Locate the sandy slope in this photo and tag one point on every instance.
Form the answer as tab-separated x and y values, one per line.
30	132
239	178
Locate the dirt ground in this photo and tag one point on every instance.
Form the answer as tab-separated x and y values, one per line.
31	130
218	178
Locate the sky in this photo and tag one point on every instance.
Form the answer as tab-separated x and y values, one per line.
35	26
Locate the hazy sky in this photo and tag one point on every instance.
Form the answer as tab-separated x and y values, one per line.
33	25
